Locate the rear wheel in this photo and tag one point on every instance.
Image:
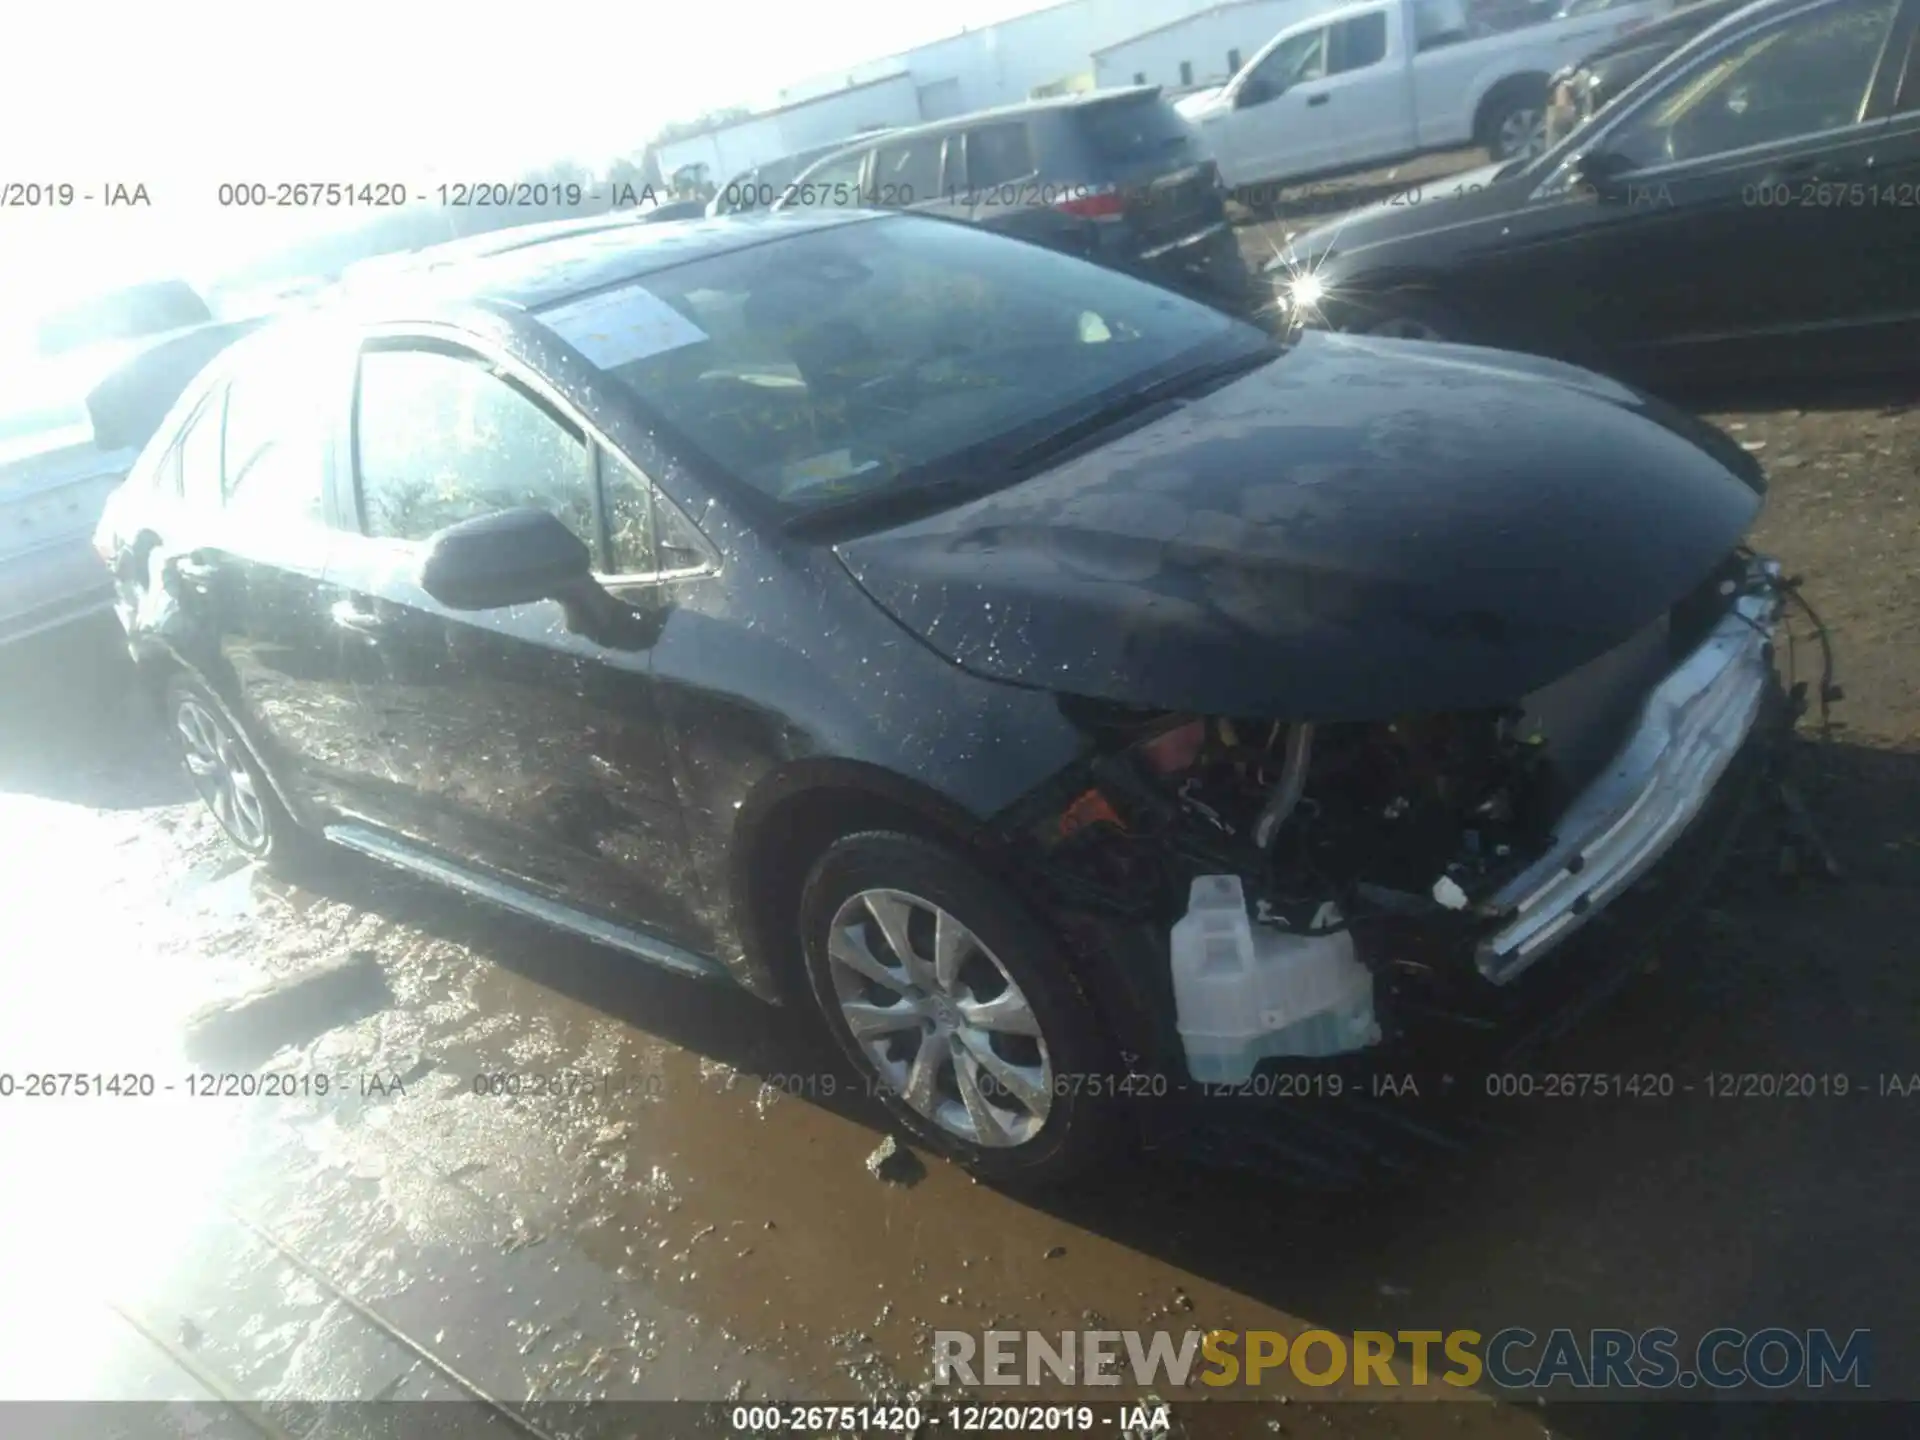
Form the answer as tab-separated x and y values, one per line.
1516	125
230	781
956	1007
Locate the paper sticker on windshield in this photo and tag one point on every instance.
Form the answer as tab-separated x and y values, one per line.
622	326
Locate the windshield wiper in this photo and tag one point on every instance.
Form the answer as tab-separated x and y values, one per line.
1139	404
983	472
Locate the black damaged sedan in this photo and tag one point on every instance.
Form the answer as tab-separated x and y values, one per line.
915	624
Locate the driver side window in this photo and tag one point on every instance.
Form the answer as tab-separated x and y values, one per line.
439	438
1304	57
1804	76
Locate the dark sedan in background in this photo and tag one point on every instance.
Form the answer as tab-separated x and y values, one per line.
901	619
1117	176
1749	209
1581	91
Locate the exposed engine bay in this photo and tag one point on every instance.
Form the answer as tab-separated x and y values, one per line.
1286	862
1367	817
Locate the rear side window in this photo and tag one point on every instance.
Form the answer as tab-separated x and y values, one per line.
440	438
908	173
276	443
1804	75
835	183
1357	43
1130	131
998	155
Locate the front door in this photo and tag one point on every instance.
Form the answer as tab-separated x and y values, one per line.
500	738
1727	244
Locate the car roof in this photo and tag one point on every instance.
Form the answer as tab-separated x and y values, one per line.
1675	24
577	259
487	242
819	152
1046	105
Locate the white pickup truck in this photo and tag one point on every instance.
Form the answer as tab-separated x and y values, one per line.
1371	83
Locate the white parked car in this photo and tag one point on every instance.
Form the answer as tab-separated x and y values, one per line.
53	482
1380	81
75	407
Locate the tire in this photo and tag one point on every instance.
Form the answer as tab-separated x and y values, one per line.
1515	123
231	783
1046	1130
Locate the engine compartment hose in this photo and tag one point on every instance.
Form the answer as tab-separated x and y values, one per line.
1286	793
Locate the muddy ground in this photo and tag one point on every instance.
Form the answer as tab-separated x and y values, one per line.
687	1212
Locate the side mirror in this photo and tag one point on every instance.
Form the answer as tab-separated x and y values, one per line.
1254	90
1602	172
512	557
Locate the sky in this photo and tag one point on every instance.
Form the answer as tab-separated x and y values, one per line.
182	96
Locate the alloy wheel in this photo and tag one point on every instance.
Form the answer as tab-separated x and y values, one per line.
1522	133
220	774
939	1018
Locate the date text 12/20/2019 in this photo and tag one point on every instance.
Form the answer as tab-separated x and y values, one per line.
456	195
1118	1420
198	1084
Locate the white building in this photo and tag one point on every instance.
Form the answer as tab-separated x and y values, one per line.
886	100
995	65
1190	51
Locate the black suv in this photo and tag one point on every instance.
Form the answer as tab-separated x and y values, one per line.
758	186
1117	176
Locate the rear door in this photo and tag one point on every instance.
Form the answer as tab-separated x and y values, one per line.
242	565
499	738
1365	97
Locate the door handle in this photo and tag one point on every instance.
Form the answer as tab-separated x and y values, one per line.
1319	99
349	616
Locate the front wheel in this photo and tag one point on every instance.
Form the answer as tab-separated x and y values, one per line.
956	1007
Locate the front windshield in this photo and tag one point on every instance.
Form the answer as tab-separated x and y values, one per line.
844	361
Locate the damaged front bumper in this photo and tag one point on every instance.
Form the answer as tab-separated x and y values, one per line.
1688	733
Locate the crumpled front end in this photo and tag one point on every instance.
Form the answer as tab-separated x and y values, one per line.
1447	853
1686	736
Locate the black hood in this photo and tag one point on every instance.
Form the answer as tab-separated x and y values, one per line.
1363	528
